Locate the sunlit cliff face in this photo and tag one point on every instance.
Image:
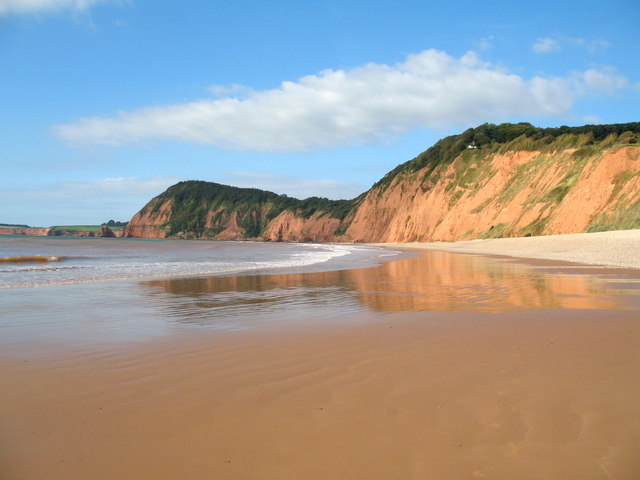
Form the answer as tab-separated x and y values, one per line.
513	194
478	195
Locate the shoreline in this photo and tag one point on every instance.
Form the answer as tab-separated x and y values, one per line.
617	248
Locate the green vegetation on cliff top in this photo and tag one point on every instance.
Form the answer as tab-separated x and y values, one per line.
490	138
14	225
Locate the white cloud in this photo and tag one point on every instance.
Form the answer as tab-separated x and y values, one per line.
292	186
342	107
78	190
592	46
234	91
35	6
486	43
117	186
604	80
597	45
546	45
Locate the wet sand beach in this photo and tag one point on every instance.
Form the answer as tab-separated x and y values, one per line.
437	366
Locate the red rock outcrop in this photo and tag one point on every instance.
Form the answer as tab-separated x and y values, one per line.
149	222
106	232
287	227
24	231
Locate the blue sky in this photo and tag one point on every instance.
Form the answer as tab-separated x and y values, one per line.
105	103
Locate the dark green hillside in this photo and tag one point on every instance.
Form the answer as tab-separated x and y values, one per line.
193	201
509	137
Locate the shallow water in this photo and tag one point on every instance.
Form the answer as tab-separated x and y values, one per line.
67	291
123	291
46	261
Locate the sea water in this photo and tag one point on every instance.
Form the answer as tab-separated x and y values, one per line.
77	291
48	261
71	293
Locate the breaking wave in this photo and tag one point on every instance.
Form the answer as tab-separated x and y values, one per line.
32	259
93	261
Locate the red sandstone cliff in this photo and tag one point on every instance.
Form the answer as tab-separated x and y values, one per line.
510	194
149	222
287	227
477	195
24	231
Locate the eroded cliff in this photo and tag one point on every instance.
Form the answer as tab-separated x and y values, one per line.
492	181
9	230
196	209
507	194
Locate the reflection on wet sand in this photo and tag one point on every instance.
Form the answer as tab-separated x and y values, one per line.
440	281
444	281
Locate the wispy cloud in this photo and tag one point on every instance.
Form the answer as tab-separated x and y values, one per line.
81	202
605	80
293	186
8	7
486	43
556	44
117	186
546	45
234	90
334	108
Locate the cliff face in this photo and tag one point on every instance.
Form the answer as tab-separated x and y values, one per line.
57	232
287	227
24	231
196	209
492	181
510	194
149	222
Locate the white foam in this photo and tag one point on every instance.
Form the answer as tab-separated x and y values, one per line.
101	269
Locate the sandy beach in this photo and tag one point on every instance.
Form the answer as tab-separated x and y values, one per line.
614	249
440	366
